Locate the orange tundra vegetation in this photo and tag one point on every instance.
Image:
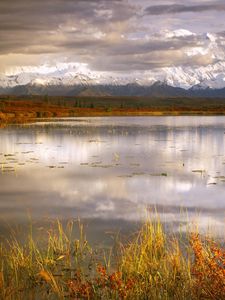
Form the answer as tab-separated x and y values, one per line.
15	109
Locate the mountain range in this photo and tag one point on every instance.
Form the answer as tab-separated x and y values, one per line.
157	89
85	86
71	79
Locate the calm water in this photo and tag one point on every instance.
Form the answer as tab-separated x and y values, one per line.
113	170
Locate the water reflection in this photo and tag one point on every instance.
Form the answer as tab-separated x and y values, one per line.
115	168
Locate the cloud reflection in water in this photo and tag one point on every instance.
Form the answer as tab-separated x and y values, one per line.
115	168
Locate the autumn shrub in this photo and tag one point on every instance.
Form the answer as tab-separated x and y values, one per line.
153	265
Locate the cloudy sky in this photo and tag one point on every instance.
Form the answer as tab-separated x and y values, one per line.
115	35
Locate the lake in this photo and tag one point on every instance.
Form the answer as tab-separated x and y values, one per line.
111	172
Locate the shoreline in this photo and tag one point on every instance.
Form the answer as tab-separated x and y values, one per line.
17	110
13	120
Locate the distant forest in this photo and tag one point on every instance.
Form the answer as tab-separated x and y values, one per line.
25	108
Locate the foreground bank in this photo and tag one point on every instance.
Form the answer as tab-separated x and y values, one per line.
152	265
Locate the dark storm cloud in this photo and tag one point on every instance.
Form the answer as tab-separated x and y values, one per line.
109	35
179	8
28	22
133	47
125	55
48	14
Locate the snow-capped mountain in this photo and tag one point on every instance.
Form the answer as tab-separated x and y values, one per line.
212	76
68	75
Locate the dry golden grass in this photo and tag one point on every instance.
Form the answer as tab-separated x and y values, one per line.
151	266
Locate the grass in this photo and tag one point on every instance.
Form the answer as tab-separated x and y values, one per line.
152	265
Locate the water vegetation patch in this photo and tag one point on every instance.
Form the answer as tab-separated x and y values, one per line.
198	171
160	174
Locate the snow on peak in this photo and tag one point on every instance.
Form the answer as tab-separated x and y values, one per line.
39	81
184	76
211	37
212	76
197	51
45	69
